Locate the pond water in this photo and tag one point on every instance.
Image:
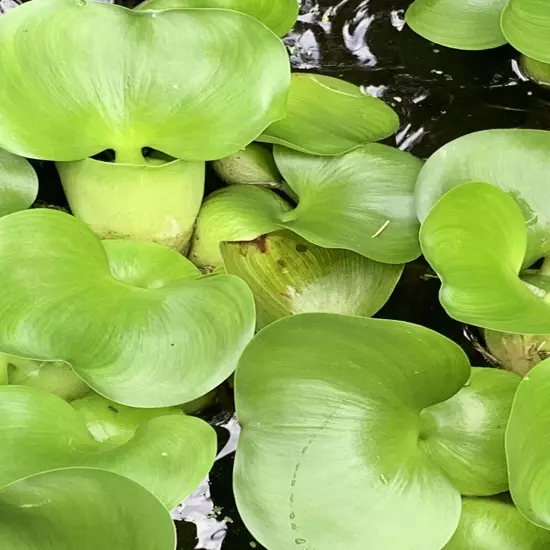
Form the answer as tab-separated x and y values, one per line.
440	94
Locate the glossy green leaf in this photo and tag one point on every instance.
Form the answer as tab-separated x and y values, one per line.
18	183
475	239
252	166
331	407
465	434
51	376
517	161
115	424
168	454
526	25
289	275
99	76
278	15
528	446
361	201
460	24
495	524
157	203
135	320
328	116
82	508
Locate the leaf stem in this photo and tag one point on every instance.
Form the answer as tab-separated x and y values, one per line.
129	156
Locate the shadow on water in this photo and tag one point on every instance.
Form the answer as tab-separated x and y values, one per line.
440	94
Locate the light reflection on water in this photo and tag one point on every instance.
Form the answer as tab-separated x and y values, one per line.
6	5
210	522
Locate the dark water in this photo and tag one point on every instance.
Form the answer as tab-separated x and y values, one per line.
440	94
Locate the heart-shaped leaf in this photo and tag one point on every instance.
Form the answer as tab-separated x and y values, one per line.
517	161
476	241
278	15
361	201
18	183
135	320
157	203
526	25
495	523
328	116
332	414
168	453
82	508
528	446
461	24
113	78
289	275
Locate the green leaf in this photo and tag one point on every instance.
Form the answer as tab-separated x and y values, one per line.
495	524
114	424
82	508
51	376
289	275
361	201
328	116
460	24
237	213
113	78
145	329
465	434
517	161
18	183
278	15
475	239
526	25
157	203
528	446
167	454
254	165
331	407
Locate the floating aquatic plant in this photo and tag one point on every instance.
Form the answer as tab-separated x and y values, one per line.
482	201
153	87
486	24
136	321
354	429
369	418
83	508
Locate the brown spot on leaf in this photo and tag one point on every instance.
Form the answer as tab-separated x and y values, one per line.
261	243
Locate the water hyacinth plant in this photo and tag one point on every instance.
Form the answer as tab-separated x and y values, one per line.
486	24
121	317
375	431
148	104
481	199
